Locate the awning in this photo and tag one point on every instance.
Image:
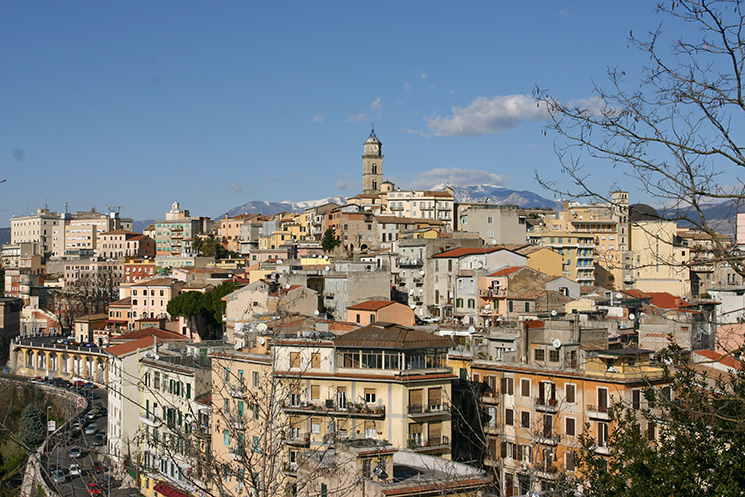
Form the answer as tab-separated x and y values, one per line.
168	491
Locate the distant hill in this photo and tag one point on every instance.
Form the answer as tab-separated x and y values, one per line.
493	194
139	226
270	208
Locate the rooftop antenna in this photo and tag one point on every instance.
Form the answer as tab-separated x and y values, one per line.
66	205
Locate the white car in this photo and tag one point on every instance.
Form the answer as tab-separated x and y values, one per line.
74	470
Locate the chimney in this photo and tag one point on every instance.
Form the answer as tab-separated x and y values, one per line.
155	344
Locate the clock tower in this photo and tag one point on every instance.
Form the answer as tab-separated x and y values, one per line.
372	164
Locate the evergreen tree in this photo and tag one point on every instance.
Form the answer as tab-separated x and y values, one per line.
33	426
328	242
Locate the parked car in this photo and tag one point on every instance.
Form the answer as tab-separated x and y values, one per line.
92	414
37	379
74	470
98	440
90	430
94	489
79	383
98	467
75	452
58	476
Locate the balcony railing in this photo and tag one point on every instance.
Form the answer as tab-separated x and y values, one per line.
290	468
150	419
599	412
410	262
237	389
429	443
331	408
297	439
416	411
492	293
546	405
548	439
237	452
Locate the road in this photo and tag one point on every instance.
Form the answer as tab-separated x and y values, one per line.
59	456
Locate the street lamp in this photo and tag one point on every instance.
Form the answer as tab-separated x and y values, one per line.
47	437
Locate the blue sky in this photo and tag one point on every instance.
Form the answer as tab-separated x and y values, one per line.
139	103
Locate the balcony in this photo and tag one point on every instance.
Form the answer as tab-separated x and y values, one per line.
548	439
237	389
424	445
418	281
546	471
150	419
598	412
396	207
237	452
416	262
298	439
290	469
602	449
330	408
432	410
238	422
492	293
546	405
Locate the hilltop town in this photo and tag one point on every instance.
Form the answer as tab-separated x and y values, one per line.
403	343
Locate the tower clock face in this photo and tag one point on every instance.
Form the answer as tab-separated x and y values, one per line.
375	148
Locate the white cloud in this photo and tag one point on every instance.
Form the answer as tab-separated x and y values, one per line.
407	86
236	187
457	176
594	106
534	146
357	118
345	185
319	118
423	75
415	132
489	115
376	104
563	13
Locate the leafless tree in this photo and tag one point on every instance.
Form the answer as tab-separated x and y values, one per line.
673	133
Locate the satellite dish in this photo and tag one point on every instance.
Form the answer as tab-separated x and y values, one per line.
287	286
413	306
553	314
471	329
421	273
261	328
411	292
556	343
631	316
261	340
279	261
327	268
316	313
619	296
493	242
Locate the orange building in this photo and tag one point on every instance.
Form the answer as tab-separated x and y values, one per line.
373	311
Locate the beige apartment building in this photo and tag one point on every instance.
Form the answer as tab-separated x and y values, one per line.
117	244
150	297
495	224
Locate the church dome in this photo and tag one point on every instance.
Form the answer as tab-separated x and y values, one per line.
372	138
643	212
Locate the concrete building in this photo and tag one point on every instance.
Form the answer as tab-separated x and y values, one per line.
173	235
373	311
119	244
495	224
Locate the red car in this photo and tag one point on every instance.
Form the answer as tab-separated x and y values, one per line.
79	383
98	467
94	489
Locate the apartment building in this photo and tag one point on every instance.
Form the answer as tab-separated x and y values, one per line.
35	228
173	235
495	224
118	244
150	297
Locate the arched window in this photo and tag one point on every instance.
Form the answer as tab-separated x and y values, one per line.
375	169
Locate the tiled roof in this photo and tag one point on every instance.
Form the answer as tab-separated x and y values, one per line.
392	336
123	302
370	305
92	317
506	271
726	360
131	346
120	232
463	251
150	332
663	300
395	220
156	282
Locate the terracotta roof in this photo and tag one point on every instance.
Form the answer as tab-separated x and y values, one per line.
395	220
284	291
92	317
129	347
463	251
505	271
150	332
724	359
156	282
371	305
663	300
120	232
123	302
392	336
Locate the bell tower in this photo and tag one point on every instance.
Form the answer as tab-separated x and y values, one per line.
372	164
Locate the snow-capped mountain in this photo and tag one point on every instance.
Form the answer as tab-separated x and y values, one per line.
493	194
270	208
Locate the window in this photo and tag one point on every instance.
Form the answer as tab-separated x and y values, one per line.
256	443
570	393
508	386
226	437
255	379
539	354
315	425
602	400
569	461
553	355
525	387
525	419
315	360
226	375
602	440
651	431
570	427
509	417
315	392
636	399
370	395
294	359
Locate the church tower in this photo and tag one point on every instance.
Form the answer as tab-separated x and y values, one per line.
372	164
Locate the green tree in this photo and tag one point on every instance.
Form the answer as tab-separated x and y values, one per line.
329	242
203	311
33	426
691	442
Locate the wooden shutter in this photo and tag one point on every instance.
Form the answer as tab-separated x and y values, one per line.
435	396
415	398
315	392
570	392
415	428
315	360
603	399
435	432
